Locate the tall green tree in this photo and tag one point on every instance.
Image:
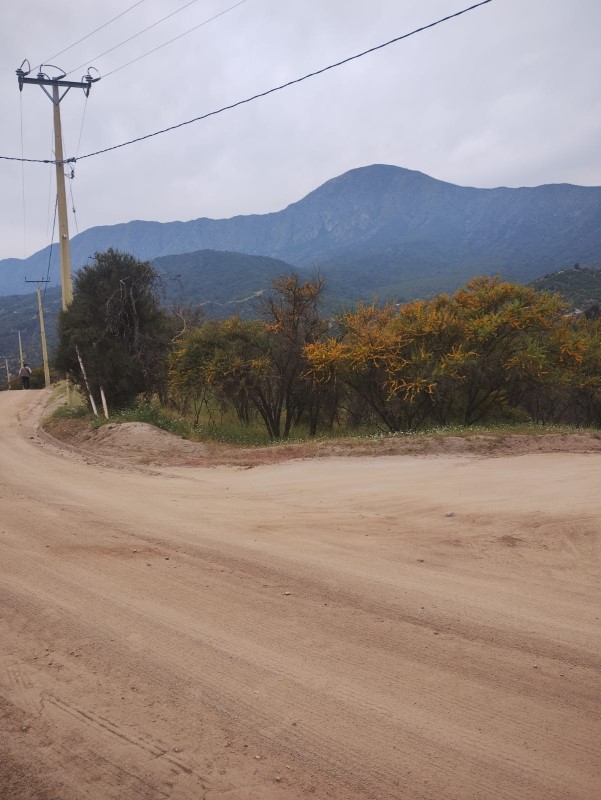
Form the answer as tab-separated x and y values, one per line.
116	323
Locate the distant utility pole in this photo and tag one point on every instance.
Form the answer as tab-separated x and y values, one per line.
7	374
42	330
56	84
13	330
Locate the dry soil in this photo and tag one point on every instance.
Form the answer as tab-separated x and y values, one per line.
395	627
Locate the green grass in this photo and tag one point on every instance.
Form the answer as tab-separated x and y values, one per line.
254	435
251	435
70	412
230	431
498	429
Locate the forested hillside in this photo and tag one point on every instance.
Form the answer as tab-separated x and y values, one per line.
580	287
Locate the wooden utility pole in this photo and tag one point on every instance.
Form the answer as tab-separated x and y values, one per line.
42	330
61	199
21	361
7	374
57	84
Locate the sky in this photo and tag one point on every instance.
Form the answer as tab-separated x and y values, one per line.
506	95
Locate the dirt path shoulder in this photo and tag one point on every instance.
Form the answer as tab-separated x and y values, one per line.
143	444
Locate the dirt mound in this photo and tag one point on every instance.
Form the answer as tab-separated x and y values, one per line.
145	443
133	442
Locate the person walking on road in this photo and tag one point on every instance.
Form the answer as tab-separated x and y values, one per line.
25	374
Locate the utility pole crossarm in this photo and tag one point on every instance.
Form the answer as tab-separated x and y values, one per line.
42	80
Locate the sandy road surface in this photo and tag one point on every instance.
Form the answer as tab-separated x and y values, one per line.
306	630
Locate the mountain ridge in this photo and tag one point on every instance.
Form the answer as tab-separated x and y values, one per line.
379	216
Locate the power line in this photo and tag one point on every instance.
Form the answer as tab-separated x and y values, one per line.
49	191
289	83
83	119
181	35
87	36
263	94
50	248
23	182
29	160
73	204
135	36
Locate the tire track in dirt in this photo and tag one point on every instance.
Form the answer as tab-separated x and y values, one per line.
214	649
306	631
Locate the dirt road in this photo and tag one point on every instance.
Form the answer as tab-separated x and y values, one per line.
349	628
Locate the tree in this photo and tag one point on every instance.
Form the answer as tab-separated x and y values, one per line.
204	368
293	322
506	329
459	358
578	370
388	358
118	327
258	365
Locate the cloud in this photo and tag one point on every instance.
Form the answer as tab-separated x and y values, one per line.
506	95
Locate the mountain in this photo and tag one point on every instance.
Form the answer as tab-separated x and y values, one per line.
223	283
378	229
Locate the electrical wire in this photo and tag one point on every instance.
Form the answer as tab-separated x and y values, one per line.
288	83
131	38
32	334
50	250
28	160
71	176
83	119
87	36
23	181
181	35
50	174
262	94
48	217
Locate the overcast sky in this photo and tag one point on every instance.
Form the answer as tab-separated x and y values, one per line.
507	95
